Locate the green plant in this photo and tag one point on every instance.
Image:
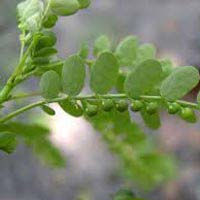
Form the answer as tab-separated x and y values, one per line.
131	71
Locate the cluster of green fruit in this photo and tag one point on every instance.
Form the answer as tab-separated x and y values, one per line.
92	107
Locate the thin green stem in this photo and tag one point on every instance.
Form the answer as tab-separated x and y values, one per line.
22	46
24	96
90	97
11	83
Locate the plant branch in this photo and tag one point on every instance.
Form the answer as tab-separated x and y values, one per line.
11	83
91	97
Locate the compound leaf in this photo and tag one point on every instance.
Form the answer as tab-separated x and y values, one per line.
50	84
73	75
179	83
104	73
145	76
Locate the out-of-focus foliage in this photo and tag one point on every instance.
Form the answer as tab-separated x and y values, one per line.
36	137
141	161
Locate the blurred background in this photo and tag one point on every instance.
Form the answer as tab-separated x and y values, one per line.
174	27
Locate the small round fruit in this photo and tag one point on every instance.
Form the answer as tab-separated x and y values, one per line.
91	110
107	105
152	107
122	106
64	7
136	106
188	115
173	108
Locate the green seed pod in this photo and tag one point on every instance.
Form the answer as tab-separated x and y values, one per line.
50	21
173	108
64	7
122	105
84	3
107	105
48	110
91	110
188	115
136	106
151	108
71	107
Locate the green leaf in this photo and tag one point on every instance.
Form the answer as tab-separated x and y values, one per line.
151	120
36	137
198	98
133	147
48	39
50	84
30	14
126	51
64	7
84	3
84	51
47	51
73	75
40	61
124	194
179	83
50	20
104	73
71	107
145	52
101	45
8	142
120	82
145	76
48	110
167	67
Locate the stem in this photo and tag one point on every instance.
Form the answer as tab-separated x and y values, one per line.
24	95
11	81
22	46
90	97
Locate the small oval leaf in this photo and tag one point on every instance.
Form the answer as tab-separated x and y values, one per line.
50	84
145	52
47	51
71	107
152	121
48	110
179	83
104	73
101	45
84	3
126	51
8	142
84	50
73	75
143	78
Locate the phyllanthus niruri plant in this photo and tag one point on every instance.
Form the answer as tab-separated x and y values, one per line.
124	80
